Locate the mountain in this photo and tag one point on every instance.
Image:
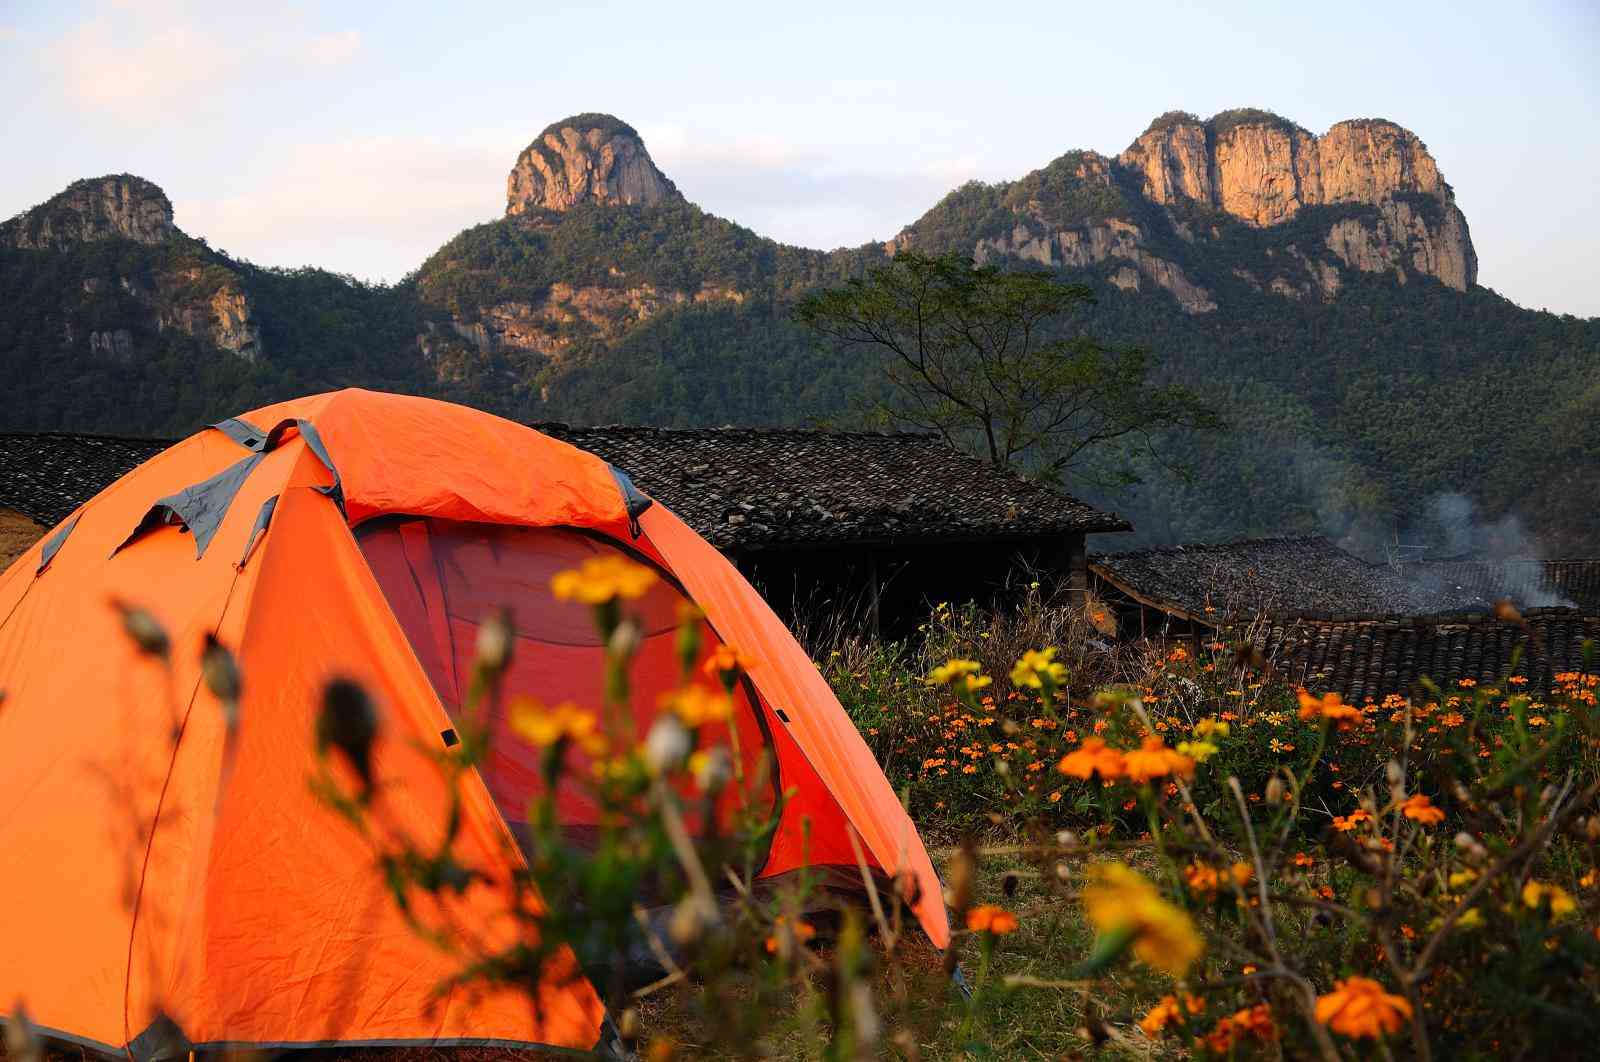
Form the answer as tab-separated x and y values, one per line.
1321	290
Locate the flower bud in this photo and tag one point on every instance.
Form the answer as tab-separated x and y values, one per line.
221	673
1067	840
1394	774
1275	790
145	630
712	769
1470	848
1002	768
1063	873
666	745
495	639
624	640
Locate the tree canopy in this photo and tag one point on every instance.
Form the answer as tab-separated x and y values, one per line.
990	359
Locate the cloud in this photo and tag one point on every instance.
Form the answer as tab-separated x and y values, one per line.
9	33
106	69
142	63
803	195
375	207
332	49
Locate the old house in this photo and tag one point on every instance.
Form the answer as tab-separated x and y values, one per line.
1368	657
878	525
1189	591
1572	582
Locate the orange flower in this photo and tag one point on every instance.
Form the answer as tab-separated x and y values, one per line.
1093	757
1253	1021
1346	823
987	918
1359	1008
1167	1012
1418	806
1207	880
696	706
803	931
726	662
1329	706
1153	759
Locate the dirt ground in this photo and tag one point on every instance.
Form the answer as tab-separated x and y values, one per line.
17	533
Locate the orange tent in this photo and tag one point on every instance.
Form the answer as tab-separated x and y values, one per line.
148	901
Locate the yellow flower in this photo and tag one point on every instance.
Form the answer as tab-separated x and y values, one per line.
1119	899
1037	667
696	705
1359	1008
956	670
1206	728
600	579
540	726
1198	751
1561	902
1462	878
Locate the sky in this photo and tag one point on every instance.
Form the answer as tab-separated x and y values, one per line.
361	137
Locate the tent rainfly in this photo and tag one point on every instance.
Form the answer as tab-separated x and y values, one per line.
362	535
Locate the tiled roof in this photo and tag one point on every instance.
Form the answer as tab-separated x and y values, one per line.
1368	657
46	475
1279	576
752	488
739	487
1573	582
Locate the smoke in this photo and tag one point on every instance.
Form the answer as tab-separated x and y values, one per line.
1512	556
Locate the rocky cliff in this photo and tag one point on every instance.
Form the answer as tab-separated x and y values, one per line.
1263	171
589	157
103	208
119	313
1365	197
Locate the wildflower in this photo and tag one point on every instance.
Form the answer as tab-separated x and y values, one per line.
711	768
1154	760
1120	900
1207	880
1198	751
1329	706
542	727
1253	1021
696	705
1167	1012
1093	757
1207	728
1534	893
1346	823
725	663
1417	806
987	918
803	931
1037	667
1359	1008
601	579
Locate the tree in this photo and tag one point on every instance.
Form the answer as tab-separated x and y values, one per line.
988	359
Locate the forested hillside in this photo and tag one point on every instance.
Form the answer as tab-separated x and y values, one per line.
1337	325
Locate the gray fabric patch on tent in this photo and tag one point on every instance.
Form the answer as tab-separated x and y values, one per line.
633	498
259	528
308	432
199	508
54	543
242	432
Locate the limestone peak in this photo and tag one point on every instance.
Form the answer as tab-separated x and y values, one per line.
97	208
588	157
